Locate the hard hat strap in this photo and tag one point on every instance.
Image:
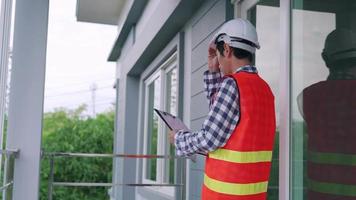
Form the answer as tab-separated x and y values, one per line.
237	42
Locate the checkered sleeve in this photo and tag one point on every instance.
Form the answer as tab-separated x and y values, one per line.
212	81
218	125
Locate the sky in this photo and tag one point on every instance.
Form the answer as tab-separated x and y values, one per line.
77	59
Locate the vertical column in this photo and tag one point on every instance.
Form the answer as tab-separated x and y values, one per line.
284	139
115	147
131	96
180	168
26	96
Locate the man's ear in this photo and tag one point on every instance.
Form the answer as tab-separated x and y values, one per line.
325	57
227	50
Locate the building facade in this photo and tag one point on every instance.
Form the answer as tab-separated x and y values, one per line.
307	55
161	54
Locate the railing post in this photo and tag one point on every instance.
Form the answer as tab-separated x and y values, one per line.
51	177
183	179
8	175
4	193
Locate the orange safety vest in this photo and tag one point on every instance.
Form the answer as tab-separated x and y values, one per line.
240	170
329	109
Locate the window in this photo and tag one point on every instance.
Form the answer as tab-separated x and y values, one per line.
161	92
323	100
267	63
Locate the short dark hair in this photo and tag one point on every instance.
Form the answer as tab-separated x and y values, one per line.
238	53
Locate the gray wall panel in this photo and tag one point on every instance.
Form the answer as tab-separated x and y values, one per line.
195	197
213	18
149	194
199	164
197	177
197	79
200	53
204	25
128	44
196	124
199	106
202	11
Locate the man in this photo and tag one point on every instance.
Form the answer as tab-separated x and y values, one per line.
238	133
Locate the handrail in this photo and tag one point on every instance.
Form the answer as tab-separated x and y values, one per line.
53	155
61	154
6	186
86	184
9	152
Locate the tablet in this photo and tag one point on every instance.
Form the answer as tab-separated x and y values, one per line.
173	122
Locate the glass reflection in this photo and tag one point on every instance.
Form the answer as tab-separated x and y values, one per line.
267	63
152	139
172	107
329	110
323	100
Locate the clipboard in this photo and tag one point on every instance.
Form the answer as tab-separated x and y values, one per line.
173	122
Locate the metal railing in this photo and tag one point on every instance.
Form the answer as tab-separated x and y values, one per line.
53	155
10	156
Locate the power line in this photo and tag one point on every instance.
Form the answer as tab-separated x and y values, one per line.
76	84
108	101
78	92
93	88
109	104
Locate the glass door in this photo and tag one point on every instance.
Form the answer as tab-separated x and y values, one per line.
265	16
323	100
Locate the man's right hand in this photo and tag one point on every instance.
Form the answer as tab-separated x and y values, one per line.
213	63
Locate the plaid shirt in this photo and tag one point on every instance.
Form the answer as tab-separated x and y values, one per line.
224	114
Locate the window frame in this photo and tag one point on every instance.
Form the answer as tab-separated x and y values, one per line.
240	10
162	169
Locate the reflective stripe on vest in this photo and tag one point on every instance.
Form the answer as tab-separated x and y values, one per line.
331	162
332	188
329	112
241	157
332	158
235	188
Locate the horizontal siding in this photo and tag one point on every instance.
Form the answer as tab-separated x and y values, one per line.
202	11
205	24
199	164
197	79
200	53
199	106
196	124
212	18
196	182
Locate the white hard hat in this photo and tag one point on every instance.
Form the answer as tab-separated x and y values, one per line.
238	33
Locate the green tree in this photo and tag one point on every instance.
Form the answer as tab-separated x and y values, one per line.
68	131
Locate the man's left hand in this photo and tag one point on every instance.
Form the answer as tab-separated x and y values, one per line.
171	136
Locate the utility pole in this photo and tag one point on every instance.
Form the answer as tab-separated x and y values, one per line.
93	89
8	82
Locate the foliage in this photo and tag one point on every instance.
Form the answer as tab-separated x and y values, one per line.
68	131
273	185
